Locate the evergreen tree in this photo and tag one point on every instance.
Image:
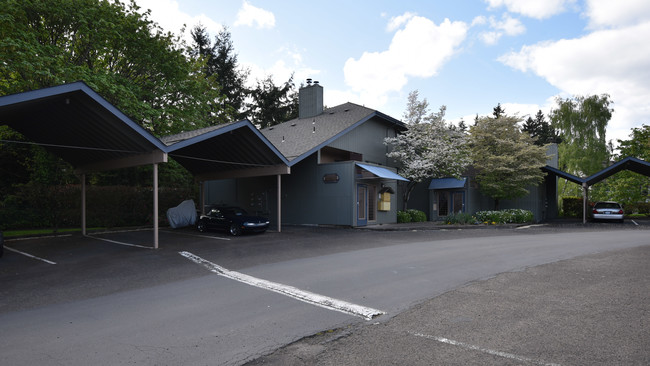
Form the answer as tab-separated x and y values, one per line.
540	130
272	104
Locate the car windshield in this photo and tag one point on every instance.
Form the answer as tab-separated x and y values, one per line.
607	205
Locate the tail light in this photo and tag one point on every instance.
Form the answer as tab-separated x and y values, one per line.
595	211
620	212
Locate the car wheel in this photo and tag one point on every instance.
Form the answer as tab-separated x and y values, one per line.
235	230
201	226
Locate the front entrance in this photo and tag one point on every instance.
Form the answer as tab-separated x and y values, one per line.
362	205
450	202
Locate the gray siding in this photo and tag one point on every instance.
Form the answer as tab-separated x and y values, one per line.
367	139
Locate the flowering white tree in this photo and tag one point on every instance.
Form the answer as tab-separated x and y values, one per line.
430	148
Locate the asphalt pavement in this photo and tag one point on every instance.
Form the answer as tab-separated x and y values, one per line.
590	310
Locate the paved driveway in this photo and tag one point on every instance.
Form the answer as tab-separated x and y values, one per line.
106	302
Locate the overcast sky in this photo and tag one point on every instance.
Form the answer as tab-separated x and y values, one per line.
468	55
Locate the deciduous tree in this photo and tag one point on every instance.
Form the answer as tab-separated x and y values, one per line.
507	160
581	122
430	148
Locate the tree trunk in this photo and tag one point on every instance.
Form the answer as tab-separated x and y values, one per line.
407	193
496	204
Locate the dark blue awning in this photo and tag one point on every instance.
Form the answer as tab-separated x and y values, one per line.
447	183
382	172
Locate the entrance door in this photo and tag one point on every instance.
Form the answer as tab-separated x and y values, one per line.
362	205
458	202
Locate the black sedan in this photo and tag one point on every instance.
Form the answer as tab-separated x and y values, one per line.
235	220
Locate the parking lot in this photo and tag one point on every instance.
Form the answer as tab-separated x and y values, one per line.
544	314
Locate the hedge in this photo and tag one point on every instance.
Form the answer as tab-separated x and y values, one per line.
39	206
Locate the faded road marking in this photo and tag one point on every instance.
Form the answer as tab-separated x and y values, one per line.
298	294
29	255
119	242
484	350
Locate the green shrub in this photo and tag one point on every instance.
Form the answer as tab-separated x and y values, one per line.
417	215
460	218
403	216
638	208
508	216
572	206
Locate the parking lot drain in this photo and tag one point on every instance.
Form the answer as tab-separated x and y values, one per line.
296	293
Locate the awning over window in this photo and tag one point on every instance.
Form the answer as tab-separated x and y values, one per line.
381	172
447	183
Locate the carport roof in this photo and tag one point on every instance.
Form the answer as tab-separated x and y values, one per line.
629	163
226	151
75	123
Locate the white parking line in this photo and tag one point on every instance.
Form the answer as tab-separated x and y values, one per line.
298	294
198	236
634	222
484	350
29	255
120	243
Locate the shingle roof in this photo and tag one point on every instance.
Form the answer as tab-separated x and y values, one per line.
300	137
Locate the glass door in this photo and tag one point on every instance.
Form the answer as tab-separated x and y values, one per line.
362	205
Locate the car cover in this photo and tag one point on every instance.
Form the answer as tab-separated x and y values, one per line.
182	215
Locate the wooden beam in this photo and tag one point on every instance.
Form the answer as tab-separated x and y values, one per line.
245	173
154	157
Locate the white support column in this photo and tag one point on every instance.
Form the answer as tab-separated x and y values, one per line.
83	204
202	198
155	206
279	203
585	188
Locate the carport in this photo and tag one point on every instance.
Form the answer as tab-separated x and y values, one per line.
235	150
630	163
76	124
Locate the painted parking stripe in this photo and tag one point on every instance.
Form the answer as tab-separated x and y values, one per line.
484	350
120	242
198	236
29	255
298	294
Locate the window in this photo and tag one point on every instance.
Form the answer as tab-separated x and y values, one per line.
443	203
372	203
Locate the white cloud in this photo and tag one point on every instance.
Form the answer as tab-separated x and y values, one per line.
612	61
289	62
250	15
538	9
606	13
419	49
168	15
506	26
395	22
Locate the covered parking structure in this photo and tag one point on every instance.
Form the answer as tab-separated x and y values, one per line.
76	124
630	163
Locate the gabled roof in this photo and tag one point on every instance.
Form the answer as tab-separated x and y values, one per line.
629	163
299	138
559	173
226	151
75	123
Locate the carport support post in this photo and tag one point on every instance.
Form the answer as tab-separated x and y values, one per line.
585	188
83	204
279	203
155	206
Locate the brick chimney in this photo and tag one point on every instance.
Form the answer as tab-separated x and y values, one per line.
310	100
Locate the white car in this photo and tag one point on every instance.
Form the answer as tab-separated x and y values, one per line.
608	211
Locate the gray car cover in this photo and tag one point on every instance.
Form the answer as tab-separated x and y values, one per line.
182	215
